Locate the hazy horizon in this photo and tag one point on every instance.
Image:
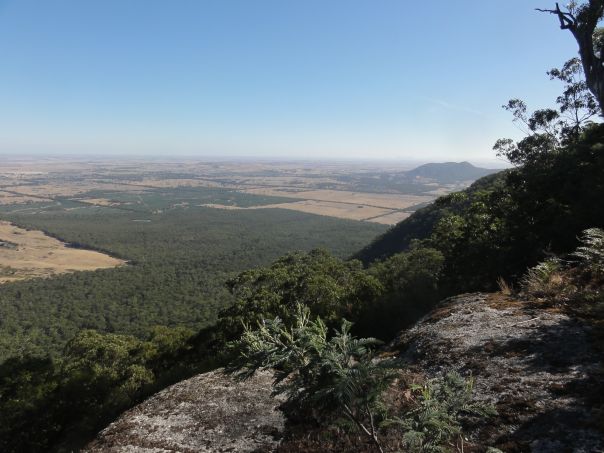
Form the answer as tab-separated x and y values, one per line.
495	163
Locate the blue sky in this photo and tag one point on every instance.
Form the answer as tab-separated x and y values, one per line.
317	79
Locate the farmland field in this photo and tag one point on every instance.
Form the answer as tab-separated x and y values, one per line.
372	193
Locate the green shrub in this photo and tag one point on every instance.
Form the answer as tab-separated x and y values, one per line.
544	279
436	422
327	377
575	280
324	376
591	251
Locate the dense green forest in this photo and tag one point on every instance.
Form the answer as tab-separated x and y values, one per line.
179	261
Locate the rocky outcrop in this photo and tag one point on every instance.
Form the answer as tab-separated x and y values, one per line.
207	413
536	364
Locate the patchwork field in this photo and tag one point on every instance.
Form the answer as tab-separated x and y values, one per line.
7	198
27	254
367	192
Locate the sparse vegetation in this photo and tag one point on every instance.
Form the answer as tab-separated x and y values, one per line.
434	423
544	280
576	281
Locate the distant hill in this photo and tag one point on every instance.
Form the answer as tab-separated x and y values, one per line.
449	172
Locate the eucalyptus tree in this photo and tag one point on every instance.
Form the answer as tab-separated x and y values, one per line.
582	20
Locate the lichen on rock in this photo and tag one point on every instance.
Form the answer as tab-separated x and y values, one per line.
207	413
536	364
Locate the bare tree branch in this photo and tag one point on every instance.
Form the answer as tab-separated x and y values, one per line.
567	19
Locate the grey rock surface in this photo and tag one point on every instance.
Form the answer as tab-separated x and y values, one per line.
536	364
207	413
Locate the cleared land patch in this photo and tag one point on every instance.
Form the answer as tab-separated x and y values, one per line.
171	182
69	189
378	200
30	254
8	198
98	201
378	208
330	209
391	218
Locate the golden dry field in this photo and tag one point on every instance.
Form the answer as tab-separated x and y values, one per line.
371	207
378	200
331	209
7	198
28	254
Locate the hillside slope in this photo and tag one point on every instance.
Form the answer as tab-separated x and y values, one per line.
537	366
507	222
421	223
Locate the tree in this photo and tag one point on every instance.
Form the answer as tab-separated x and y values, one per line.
582	21
330	287
548	129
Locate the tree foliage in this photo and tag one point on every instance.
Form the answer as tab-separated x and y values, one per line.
380	300
549	129
56	404
330	287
